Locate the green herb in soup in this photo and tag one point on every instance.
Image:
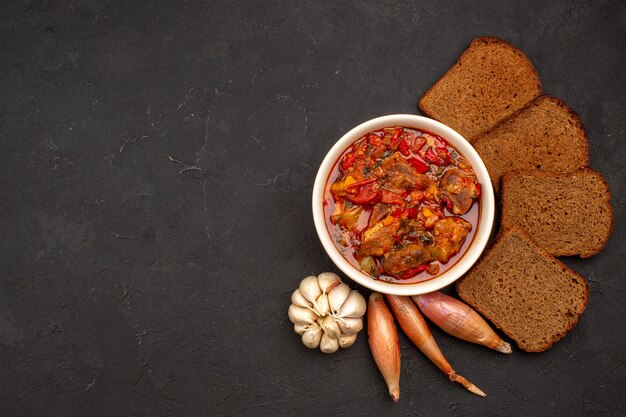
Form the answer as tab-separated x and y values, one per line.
402	203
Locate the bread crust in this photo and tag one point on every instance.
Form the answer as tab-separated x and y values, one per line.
423	103
509	176
480	143
474	140
433	104
503	234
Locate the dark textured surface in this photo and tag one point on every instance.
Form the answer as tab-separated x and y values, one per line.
158	159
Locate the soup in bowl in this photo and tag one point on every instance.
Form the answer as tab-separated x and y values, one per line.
403	204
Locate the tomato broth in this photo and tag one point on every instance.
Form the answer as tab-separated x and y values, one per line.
402	205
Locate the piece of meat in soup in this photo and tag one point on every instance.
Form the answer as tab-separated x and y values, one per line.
401	175
379	238
379	212
401	260
449	234
459	186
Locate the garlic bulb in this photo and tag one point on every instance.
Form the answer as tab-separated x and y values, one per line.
326	312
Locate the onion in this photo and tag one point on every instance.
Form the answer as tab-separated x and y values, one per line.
414	326
383	341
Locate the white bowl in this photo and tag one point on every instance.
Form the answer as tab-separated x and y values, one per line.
485	222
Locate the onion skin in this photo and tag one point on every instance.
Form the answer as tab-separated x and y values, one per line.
459	320
416	329
383	341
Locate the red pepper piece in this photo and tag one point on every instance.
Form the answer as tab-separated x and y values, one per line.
412	212
437	156
396	137
412	272
479	190
404	148
444	155
414	141
397	212
389	197
375	140
347	161
418	144
430	155
368	194
439	141
419	165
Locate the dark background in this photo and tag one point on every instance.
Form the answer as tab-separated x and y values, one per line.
157	166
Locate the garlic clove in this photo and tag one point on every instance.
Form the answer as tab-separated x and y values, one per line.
298	299
326	313
350	325
331	326
311	338
321	305
337	297
300	328
310	289
354	306
327	281
329	344
345	341
301	315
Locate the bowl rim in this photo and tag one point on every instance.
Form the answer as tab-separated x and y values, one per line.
487	202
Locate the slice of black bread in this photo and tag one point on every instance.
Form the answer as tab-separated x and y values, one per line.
490	81
568	214
545	135
527	293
